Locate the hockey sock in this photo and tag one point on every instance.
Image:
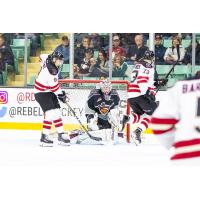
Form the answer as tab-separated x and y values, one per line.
136	117
144	123
46	127
59	125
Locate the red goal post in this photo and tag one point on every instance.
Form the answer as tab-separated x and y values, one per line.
120	85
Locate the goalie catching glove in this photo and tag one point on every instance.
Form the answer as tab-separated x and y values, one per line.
62	97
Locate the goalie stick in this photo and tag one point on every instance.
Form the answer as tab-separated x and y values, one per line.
83	127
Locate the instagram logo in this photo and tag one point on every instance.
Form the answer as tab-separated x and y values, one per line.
3	97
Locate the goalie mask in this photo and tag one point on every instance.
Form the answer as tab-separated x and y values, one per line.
105	87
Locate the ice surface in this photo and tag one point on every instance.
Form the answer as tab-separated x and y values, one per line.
22	148
83	172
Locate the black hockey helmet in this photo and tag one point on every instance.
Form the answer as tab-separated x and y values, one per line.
57	54
148	55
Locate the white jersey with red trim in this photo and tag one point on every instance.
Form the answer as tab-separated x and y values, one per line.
142	79
179	108
46	81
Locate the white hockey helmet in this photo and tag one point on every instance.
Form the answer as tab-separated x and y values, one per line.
105	86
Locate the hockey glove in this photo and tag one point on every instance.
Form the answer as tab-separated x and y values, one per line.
62	97
150	96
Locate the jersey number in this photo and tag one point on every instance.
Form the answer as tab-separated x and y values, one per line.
134	75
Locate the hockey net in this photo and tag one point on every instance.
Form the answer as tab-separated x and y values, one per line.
77	92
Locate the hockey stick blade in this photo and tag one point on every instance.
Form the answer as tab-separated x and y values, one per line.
83	127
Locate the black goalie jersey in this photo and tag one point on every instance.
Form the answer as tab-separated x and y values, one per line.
101	104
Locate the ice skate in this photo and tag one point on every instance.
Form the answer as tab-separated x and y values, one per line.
45	141
63	141
136	136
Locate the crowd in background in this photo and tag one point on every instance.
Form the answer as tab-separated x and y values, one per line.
128	49
91	51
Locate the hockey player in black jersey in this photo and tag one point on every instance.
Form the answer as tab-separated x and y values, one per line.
47	94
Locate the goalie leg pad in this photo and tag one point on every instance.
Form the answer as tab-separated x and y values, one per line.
114	117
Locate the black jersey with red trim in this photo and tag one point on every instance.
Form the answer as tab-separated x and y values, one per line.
47	80
142	79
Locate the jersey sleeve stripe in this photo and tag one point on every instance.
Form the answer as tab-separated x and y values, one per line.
187	143
133	86
134	90
143	77
155	120
142	81
186	155
158	132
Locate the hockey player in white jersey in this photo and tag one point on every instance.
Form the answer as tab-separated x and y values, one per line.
47	94
176	122
102	113
141	94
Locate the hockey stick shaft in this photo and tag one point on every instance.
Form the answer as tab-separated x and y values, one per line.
167	75
83	127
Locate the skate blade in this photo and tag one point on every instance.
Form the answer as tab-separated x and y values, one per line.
42	144
63	144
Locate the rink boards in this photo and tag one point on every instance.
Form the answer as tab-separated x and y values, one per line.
19	110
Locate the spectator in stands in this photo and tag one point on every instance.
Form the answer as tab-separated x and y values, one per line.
99	68
78	38
117	49
136	51
6	51
2	66
80	51
176	52
34	37
96	41
159	50
188	54
85	65
64	49
102	61
120	68
75	70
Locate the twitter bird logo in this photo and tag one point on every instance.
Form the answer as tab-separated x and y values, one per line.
3	111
